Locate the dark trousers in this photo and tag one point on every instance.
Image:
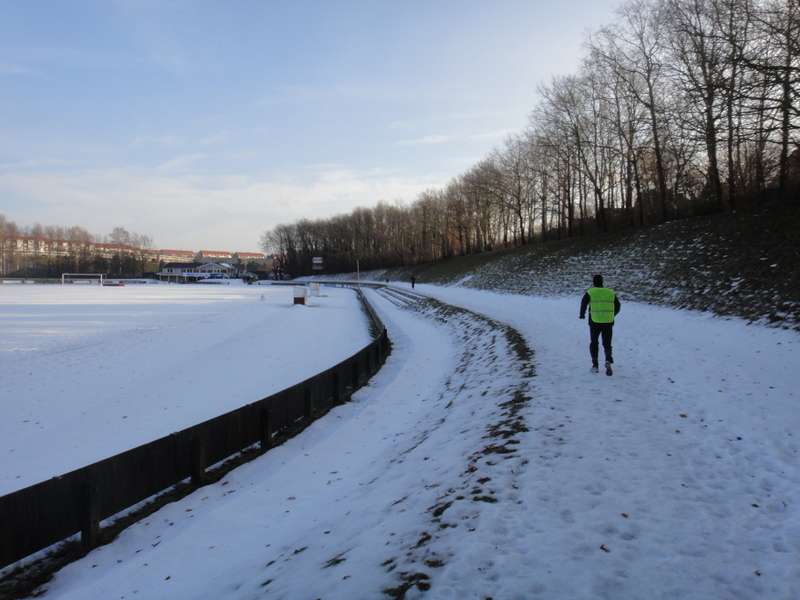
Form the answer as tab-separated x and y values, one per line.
596	331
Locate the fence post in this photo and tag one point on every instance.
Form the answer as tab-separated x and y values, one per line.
197	456
266	424
355	374
336	394
90	515
308	404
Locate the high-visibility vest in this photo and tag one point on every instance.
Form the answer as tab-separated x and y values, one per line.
601	305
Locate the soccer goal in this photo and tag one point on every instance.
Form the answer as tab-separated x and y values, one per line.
84	278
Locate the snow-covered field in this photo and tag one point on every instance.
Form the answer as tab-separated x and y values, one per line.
483	461
87	372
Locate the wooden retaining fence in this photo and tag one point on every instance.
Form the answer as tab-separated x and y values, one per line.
37	517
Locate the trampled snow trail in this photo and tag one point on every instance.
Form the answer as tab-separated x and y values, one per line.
675	478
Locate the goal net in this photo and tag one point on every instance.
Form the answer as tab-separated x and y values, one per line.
85	278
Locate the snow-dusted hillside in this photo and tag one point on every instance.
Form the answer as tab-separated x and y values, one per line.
744	264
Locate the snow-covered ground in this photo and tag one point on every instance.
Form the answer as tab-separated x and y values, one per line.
87	372
482	461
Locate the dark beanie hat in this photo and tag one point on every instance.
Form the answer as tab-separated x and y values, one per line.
597	281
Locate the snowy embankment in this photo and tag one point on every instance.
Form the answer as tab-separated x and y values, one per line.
485	461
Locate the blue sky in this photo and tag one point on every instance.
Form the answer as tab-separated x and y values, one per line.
206	123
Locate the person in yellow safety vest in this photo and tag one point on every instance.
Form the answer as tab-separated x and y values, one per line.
603	306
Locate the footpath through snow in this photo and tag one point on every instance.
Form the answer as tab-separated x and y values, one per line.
485	461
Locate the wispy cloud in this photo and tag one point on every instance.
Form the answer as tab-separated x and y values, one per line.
443	139
10	68
38	163
216	138
348	91
427	140
445	119
494	135
182	162
188	210
168	140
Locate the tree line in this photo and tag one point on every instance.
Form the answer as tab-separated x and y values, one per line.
679	108
73	250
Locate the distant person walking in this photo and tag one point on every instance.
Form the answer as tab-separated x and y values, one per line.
413	282
603	306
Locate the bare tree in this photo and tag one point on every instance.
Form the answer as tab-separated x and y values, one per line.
633	48
774	52
698	62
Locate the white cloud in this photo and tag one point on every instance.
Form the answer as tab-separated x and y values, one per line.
169	141
443	139
14	69
216	138
199	211
37	163
182	162
428	139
